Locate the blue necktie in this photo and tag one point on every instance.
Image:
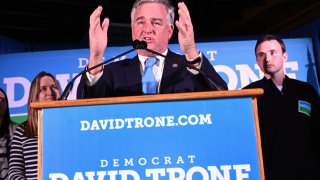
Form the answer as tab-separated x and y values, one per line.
149	83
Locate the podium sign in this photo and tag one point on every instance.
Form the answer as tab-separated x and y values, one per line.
184	139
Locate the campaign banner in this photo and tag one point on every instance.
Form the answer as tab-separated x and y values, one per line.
233	60
185	139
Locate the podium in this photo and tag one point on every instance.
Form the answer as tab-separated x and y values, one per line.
201	135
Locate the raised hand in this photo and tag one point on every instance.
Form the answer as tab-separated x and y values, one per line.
98	38
186	33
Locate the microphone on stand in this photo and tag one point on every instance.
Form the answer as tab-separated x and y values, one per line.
144	45
136	45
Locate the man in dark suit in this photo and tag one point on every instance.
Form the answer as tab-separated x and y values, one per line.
152	21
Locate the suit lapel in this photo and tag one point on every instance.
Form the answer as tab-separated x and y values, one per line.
132	75
171	66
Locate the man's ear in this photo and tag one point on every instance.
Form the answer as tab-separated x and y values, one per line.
171	29
285	57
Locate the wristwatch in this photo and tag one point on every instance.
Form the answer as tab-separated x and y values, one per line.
195	61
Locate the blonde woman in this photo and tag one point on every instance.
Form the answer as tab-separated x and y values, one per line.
23	154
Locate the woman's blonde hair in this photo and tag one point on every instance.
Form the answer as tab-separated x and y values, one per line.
32	121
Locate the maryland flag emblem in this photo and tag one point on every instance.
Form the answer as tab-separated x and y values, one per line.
304	107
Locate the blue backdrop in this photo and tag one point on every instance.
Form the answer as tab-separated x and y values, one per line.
234	61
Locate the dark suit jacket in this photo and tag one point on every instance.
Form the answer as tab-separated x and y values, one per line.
123	78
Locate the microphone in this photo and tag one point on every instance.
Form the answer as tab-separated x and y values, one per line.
139	44
144	45
136	45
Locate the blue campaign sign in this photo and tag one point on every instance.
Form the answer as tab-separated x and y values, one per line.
189	139
233	60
